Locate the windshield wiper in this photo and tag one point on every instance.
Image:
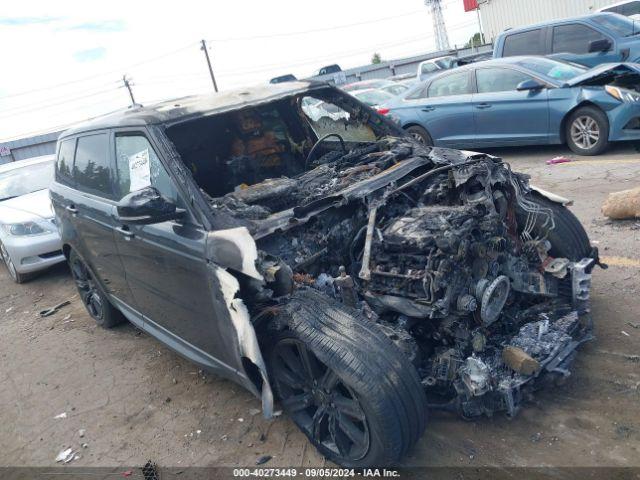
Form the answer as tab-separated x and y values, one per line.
8	198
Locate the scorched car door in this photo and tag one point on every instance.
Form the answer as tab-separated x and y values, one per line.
165	262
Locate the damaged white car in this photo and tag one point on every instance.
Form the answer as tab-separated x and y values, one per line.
326	262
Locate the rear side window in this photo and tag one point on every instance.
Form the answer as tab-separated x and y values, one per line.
525	43
631	8
64	162
429	67
499	79
574	38
138	167
454	84
91	169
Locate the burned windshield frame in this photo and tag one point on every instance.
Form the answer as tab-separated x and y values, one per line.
344	104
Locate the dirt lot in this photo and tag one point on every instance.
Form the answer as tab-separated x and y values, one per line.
136	400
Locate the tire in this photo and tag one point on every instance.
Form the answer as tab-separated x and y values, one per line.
355	378
420	134
583	120
13	273
568	238
95	300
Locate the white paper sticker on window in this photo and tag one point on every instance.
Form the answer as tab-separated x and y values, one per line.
139	170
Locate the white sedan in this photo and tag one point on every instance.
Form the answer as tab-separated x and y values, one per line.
29	239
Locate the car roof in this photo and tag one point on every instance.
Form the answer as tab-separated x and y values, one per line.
365	90
369	81
6	167
495	62
184	108
431	60
554	22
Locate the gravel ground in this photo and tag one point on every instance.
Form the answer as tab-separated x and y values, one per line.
136	400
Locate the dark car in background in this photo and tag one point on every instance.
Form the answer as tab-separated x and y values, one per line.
589	40
331	262
284	78
524	101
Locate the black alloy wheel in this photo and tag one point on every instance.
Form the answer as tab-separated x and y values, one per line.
326	409
91	294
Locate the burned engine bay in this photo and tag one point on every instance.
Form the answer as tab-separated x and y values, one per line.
444	250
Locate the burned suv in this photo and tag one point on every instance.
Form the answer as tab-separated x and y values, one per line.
290	238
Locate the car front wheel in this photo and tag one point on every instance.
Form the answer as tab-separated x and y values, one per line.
345	384
588	131
8	262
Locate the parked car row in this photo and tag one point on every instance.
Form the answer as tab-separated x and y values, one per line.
568	81
524	101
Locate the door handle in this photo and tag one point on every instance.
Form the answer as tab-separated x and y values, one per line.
482	106
72	210
428	108
125	232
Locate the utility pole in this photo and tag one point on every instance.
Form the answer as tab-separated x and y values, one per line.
206	54
480	26
127	85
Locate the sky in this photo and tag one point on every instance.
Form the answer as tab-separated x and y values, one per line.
63	61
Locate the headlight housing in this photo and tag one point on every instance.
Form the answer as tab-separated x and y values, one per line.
24	229
623	94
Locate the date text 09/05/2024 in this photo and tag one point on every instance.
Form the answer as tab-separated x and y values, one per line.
314	472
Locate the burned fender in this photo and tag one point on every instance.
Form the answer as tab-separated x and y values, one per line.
235	250
565	202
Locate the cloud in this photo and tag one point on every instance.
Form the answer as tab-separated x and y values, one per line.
102	26
90	55
22	21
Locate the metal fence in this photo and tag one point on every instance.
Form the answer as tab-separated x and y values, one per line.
399	66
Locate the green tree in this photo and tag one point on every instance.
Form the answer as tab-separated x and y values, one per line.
376	58
475	40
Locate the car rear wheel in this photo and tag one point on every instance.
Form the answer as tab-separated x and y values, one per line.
588	131
94	299
420	134
345	384
8	262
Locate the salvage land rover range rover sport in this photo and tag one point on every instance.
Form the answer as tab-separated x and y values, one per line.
290	238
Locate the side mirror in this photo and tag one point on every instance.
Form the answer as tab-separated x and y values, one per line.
602	45
145	207
530	84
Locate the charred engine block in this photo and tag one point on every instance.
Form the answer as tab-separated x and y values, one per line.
446	259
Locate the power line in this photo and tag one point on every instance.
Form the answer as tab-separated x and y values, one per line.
317	30
270	67
80	80
67	97
41	107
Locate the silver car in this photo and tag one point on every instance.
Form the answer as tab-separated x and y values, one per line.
29	239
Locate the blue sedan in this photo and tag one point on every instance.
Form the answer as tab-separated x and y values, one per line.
524	101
